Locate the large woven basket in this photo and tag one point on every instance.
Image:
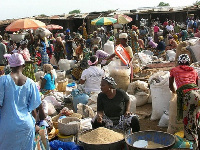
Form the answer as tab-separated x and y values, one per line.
55	121
68	129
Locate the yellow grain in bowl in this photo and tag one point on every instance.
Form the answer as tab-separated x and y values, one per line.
101	136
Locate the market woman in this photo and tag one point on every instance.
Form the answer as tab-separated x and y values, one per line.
113	108
188	96
19	96
48	82
59	49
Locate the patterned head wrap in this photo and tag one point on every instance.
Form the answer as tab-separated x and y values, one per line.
110	80
183	59
47	68
15	59
22	42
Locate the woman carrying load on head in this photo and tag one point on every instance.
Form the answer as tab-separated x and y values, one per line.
59	49
113	108
19	97
188	97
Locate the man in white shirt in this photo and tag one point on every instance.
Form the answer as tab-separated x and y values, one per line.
91	77
170	27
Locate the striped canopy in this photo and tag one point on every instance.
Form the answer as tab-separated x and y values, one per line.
103	21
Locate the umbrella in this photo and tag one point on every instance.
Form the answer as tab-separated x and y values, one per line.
54	27
25	24
103	21
122	19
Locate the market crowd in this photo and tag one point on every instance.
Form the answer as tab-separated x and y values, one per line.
21	111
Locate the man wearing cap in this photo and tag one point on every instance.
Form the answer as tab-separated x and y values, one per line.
3	51
123	40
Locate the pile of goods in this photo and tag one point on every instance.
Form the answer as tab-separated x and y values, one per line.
101	136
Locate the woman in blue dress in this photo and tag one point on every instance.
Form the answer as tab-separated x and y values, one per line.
19	97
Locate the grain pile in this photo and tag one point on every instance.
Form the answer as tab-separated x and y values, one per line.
101	136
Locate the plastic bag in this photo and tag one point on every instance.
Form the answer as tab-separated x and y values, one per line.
56	144
79	97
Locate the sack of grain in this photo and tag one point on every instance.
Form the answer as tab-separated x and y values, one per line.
160	93
140	90
174	125
121	75
64	64
133	103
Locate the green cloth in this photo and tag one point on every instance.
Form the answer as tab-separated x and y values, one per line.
180	96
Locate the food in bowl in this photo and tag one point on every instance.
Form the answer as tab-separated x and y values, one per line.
101	135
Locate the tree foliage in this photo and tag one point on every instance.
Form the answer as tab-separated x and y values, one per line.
76	11
43	15
163	4
197	3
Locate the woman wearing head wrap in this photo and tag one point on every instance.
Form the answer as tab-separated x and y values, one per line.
59	49
19	96
134	39
48	82
172	43
188	96
161	46
91	77
113	108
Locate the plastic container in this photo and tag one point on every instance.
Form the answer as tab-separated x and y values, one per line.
79	97
109	47
163	138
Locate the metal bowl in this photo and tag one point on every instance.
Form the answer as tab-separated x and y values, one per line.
163	138
111	146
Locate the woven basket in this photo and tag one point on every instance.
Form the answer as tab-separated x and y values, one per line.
61	87
68	129
55	121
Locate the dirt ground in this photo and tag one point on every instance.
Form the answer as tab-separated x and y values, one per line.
144	113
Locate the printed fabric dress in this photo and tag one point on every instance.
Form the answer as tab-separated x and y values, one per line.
16	122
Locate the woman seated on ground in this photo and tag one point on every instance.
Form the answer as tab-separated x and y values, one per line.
48	82
172	43
188	97
91	77
113	108
161	46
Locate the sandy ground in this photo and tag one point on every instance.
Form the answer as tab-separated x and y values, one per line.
144	112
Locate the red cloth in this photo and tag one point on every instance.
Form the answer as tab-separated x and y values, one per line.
156	29
183	75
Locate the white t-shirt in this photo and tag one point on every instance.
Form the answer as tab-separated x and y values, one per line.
92	76
170	28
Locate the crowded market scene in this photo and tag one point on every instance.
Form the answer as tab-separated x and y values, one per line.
108	81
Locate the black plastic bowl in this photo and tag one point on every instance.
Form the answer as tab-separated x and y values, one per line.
163	138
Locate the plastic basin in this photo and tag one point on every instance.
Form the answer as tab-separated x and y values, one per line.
163	138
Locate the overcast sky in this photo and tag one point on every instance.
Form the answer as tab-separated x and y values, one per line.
26	8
